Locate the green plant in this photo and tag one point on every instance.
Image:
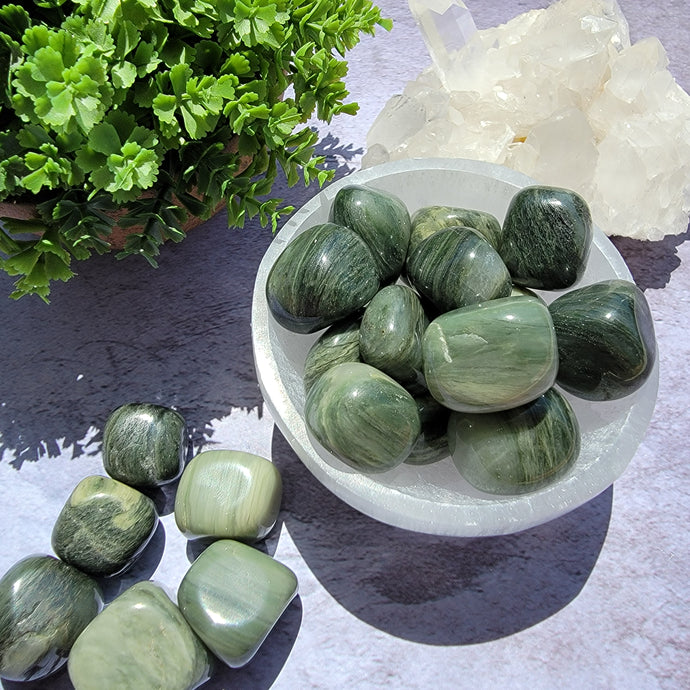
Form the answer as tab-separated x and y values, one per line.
149	108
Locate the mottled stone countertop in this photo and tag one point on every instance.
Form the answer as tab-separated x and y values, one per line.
598	598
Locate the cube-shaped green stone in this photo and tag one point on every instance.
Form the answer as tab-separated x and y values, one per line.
232	596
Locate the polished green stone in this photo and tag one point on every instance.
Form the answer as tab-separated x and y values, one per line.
517	450
44	606
337	344
228	494
391	332
325	274
606	341
232	596
141	641
546	238
104	526
456	267
491	356
432	442
362	416
382	221
430	219
144	444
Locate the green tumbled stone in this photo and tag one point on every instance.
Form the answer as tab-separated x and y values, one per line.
491	356
517	450
228	494
381	219
362	416
104	526
325	274
232	596
339	343
391	332
140	641
44	606
606	341
456	267
144	444
430	219
546	238
432	442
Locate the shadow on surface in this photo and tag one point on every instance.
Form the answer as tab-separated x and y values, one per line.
651	263
438	590
120	331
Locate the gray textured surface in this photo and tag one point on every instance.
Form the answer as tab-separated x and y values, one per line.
597	598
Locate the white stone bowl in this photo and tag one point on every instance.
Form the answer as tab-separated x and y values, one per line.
435	499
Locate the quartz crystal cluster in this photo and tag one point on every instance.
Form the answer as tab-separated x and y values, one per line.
559	94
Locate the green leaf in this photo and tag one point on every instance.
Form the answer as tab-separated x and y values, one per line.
124	75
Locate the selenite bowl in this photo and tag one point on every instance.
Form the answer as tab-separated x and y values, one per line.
435	499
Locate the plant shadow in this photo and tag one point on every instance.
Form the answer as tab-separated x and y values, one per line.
439	590
120	331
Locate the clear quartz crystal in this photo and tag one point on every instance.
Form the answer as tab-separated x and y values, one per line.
446	26
560	94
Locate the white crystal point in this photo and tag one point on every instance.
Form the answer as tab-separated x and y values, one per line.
446	26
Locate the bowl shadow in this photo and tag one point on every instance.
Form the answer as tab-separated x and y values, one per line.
438	590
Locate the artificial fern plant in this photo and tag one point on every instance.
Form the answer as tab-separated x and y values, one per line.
144	110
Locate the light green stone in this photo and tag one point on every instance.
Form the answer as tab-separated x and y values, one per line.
104	526
228	494
491	356
432	442
44	606
232	596
362	416
140	641
517	450
144	444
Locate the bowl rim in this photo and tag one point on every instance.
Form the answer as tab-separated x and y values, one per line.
363	492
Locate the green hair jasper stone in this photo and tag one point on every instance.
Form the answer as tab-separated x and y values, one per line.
325	274
491	356
381	219
606	341
144	444
518	450
546	238
362	416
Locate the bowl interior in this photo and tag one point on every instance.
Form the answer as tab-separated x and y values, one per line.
435	499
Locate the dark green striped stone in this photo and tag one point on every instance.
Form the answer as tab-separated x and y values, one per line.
606	341
144	444
391	332
337	344
325	274
430	219
456	267
104	526
381	219
45	604
362	416
546	238
517	450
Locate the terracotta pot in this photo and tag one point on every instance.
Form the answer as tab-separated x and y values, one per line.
118	235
